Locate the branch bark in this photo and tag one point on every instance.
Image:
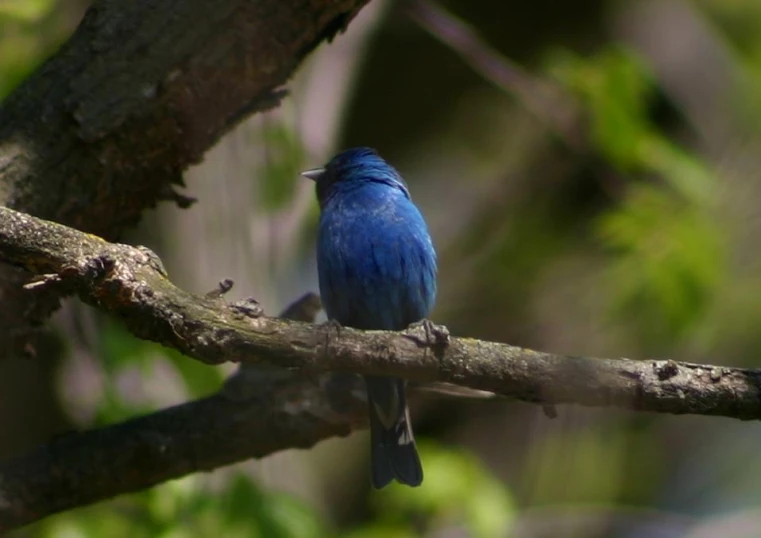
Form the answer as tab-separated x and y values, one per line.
254	415
105	128
131	283
257	412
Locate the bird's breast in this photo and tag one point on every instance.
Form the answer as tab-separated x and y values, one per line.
376	263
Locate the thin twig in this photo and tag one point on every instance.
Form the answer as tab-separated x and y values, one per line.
544	100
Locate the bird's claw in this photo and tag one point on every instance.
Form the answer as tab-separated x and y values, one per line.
436	336
329	325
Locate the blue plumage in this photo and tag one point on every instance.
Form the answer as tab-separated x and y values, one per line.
377	270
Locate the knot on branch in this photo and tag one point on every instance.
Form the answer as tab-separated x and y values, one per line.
665	369
248	307
71	276
150	259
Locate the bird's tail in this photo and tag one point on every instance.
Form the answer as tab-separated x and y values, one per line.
394	454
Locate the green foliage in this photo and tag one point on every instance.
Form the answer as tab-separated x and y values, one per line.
593	465
613	88
284	160
121	352
190	507
27	11
668	261
186	509
668	255
22	44
18	55
458	490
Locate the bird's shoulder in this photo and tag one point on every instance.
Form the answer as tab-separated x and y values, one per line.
360	224
371	205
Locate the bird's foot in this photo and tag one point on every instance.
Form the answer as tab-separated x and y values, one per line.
435	336
331	325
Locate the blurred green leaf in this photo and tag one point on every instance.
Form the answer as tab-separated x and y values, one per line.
24	39
119	352
381	530
687	174
614	87
294	518
165	503
189	508
591	469
117	347
667	247
19	55
25	10
669	260
456	486
490	510
284	160
200	379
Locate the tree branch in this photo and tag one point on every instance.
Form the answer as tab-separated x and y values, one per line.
140	91
251	417
542	98
257	412
105	128
130	282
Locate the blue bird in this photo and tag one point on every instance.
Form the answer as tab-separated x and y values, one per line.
377	270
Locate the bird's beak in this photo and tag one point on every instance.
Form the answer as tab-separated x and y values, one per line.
313	174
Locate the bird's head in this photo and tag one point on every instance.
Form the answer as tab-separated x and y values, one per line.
351	169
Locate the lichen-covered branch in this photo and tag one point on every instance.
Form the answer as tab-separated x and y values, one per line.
262	411
130	283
